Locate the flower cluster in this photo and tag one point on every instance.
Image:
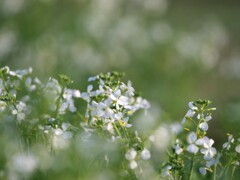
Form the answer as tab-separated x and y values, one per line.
40	110
198	148
195	122
112	102
89	126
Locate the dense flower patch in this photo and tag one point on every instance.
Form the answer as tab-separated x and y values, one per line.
51	131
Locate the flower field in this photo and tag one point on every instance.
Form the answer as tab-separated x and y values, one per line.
50	131
119	89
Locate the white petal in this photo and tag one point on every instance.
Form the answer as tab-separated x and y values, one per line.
202	170
190	113
225	145
58	131
208	118
191	137
199	142
76	93
123	101
178	150
190	105
67	135
145	154
131	154
117	93
211	142
133	164
203	126
192	148
237	148
89	88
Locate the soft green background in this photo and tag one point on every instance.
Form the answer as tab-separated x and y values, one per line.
173	51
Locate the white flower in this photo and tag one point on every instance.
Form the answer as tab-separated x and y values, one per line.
87	95
20	111
237	148
178	149
119	99
123	121
208	118
101	110
131	154
93	78
192	138
191	106
129	89
3	105
166	171
20	73
227	144
68	102
109	127
24	163
213	161
208	150
53	86
190	114
202	170
133	164
145	154
29	85
97	109
203	126
60	139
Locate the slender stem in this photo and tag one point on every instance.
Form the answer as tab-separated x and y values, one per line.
58	102
215	172
233	170
116	128
191	167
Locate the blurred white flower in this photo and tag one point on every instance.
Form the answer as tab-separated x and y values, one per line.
118	99
203	126
61	137
208	150
3	105
192	138
238	148
133	165
177	147
20	111
24	163
203	170
87	95
145	154
192	106
190	114
166	171
227	144
131	154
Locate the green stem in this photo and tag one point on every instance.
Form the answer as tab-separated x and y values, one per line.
191	167
116	128
215	171
233	170
58	102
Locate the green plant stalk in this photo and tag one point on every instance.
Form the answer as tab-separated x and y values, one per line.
191	167
58	102
233	170
214	173
116	128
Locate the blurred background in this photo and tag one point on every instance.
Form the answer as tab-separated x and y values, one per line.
173	51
